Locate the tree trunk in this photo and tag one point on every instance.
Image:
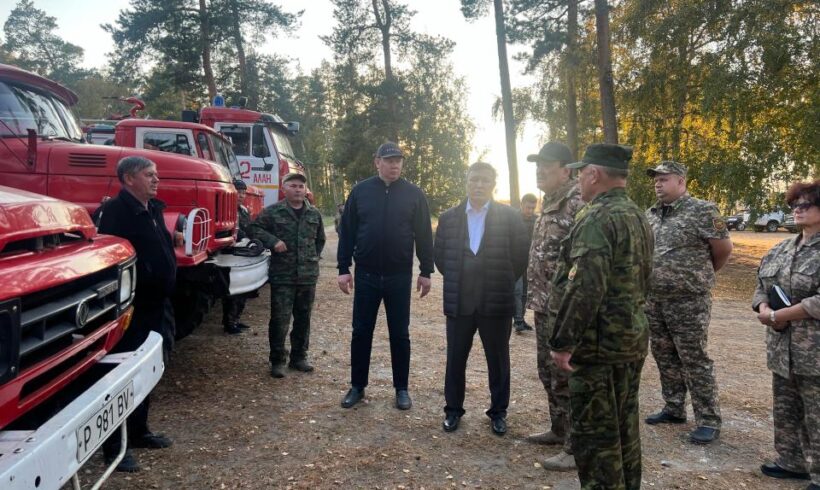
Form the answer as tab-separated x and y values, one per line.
205	35
252	95
605	79
572	67
506	101
384	24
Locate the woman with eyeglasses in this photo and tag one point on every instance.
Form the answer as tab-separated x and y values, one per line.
787	300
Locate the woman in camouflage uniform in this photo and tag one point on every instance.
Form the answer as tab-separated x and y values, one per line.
793	339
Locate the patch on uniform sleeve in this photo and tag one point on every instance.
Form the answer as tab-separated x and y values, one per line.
572	272
719	223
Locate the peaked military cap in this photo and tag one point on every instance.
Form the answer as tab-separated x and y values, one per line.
667	167
292	176
389	149
551	152
605	155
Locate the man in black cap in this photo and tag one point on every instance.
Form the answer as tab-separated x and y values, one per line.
384	217
233	306
562	200
292	229
596	314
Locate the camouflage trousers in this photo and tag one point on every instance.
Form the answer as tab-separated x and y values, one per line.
555	381
288	301
232	308
606	434
678	335
797	423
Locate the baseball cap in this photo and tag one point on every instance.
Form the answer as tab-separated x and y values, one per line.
605	155
552	151
667	167
389	149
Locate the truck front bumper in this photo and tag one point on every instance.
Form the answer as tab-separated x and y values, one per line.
245	274
47	457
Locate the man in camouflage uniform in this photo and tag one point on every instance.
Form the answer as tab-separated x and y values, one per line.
793	340
233	306
596	314
294	232
691	243
562	200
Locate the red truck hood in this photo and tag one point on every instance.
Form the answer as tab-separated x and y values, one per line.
26	215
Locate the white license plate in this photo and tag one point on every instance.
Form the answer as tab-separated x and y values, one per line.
103	423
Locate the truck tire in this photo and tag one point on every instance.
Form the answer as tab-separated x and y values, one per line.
772	226
740	226
190	308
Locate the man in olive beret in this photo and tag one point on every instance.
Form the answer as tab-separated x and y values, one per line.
600	332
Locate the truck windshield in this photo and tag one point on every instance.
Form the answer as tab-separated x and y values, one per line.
282	143
225	155
22	108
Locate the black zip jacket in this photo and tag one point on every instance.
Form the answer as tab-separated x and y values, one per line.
124	216
380	225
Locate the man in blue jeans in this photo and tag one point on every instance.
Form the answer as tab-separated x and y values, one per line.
384	217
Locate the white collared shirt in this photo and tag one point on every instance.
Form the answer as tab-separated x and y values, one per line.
475	224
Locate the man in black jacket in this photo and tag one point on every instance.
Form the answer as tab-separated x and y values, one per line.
135	214
383	218
480	249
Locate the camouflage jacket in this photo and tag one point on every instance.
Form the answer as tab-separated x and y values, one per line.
243	222
557	216
795	267
596	309
304	237
682	263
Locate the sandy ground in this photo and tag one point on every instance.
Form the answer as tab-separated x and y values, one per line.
236	427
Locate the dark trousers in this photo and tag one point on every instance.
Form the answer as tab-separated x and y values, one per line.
232	308
369	292
495	337
606	437
288	301
157	315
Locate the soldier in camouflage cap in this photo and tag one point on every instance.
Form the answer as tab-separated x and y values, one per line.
691	244
793	339
598	323
562	200
233	306
294	232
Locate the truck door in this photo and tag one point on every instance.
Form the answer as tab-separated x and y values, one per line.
257	162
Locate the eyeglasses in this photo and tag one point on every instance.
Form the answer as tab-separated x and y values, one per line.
802	206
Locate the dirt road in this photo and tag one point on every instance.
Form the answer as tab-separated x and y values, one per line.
236	427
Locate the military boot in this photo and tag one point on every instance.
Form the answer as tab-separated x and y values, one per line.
560	462
548	438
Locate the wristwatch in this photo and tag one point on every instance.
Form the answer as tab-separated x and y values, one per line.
771	316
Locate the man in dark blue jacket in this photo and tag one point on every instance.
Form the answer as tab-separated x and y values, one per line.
481	249
384	217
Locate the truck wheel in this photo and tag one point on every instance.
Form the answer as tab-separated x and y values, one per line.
741	226
190	308
772	226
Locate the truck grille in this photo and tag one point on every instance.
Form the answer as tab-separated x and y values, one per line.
86	159
225	211
51	319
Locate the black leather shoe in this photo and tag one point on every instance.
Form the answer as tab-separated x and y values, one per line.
403	401
151	441
775	471
704	435
499	426
232	330
450	423
301	365
277	371
527	326
354	396
813	486
664	418
128	464
243	326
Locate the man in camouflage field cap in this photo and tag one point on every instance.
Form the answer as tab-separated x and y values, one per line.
294	232
691	244
598	323
562	200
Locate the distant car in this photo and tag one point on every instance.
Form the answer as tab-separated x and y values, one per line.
788	224
737	222
769	221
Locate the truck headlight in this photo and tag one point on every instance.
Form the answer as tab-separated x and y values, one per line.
127	283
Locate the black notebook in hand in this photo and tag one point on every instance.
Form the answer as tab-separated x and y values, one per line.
778	298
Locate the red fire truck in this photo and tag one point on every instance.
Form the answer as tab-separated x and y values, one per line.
65	301
42	150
